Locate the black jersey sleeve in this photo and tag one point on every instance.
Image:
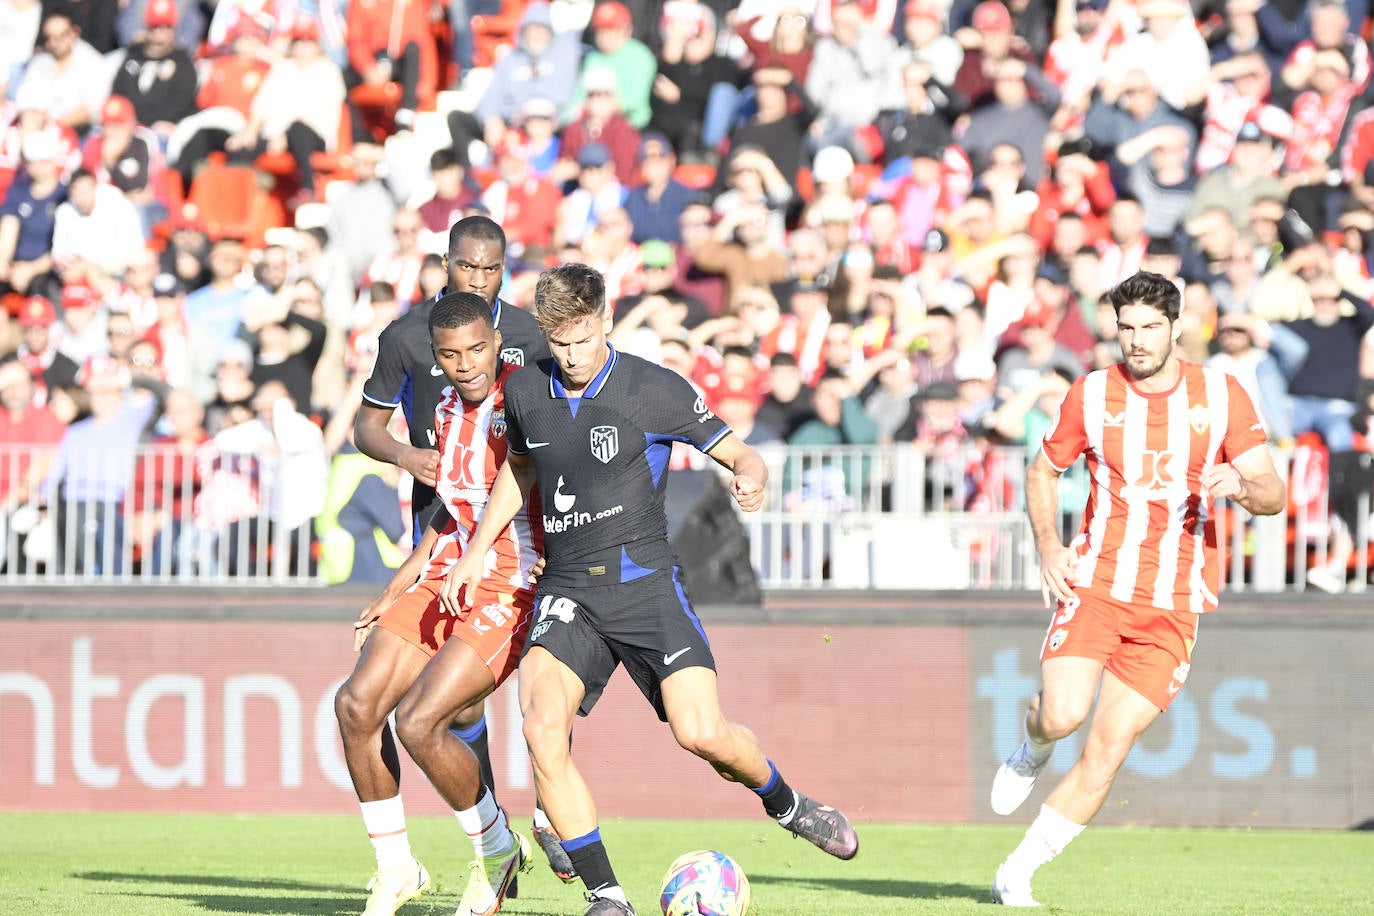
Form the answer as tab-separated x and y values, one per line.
386	385
677	411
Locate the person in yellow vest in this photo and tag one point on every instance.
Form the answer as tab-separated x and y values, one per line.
361	521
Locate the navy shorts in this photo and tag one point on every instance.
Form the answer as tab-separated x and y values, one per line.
647	625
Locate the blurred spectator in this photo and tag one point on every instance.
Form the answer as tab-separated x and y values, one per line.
285	453
739	249
525	204
156	75
923	40
753	179
976	376
840	418
780	123
1075	58
542	65
1125	245
171	332
319	262
95	19
788	404
288	350
1170	34
1321	114
187	254
1263	357
597	192
384	41
917	117
694	228
134	291
1123	111
1022	364
82	326
802	331
609	249
298	108
360	218
454	192
28	114
847	79
400	266
697	91
228	87
27	216
166	483
96	225
72	71
1329	30
934	428
660	279
360	523
218	307
1323	387
92	470
657	198
29	434
616	49
126	156
987	45
1247	178
48	367
1076	184
1236	93
1017	114
786	41
1027	415
600	123
1160	177
19	22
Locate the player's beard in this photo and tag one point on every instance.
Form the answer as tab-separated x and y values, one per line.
1141	372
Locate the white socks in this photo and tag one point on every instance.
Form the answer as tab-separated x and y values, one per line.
485	824
1049	833
386	828
541	820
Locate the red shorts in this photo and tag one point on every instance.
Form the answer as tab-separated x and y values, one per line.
496	626
1146	648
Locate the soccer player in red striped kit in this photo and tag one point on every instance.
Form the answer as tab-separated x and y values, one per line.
1163	439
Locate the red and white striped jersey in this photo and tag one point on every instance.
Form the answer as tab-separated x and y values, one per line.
1147	536
472	447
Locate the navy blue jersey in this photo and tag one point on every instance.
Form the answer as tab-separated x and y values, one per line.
601	460
405	374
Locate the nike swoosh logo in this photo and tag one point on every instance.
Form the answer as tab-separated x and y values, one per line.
669	659
531	446
435	370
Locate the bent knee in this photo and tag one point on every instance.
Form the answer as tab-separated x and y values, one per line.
710	741
1060	718
546	735
353	709
415	724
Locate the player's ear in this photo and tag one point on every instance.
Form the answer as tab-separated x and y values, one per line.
496	337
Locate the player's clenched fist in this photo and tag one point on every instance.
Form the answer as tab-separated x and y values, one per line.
1221	481
747	492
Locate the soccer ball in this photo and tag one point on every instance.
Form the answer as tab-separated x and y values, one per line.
704	883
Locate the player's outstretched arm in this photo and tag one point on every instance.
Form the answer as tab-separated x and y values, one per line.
402	579
751	474
1042	505
508	494
374	439
1250	479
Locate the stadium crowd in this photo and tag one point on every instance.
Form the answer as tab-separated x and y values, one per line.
847	222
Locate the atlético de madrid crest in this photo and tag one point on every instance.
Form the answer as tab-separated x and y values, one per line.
1199	418
513	355
498	422
605	442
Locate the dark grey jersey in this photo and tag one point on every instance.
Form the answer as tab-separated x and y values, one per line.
601	460
405	374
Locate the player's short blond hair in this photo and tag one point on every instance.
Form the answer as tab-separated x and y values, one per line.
568	293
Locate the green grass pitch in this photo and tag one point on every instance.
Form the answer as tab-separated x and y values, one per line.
159	865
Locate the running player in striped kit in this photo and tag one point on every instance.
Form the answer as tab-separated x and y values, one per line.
1163	438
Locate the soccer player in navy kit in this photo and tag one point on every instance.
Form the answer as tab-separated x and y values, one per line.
406	376
594	428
